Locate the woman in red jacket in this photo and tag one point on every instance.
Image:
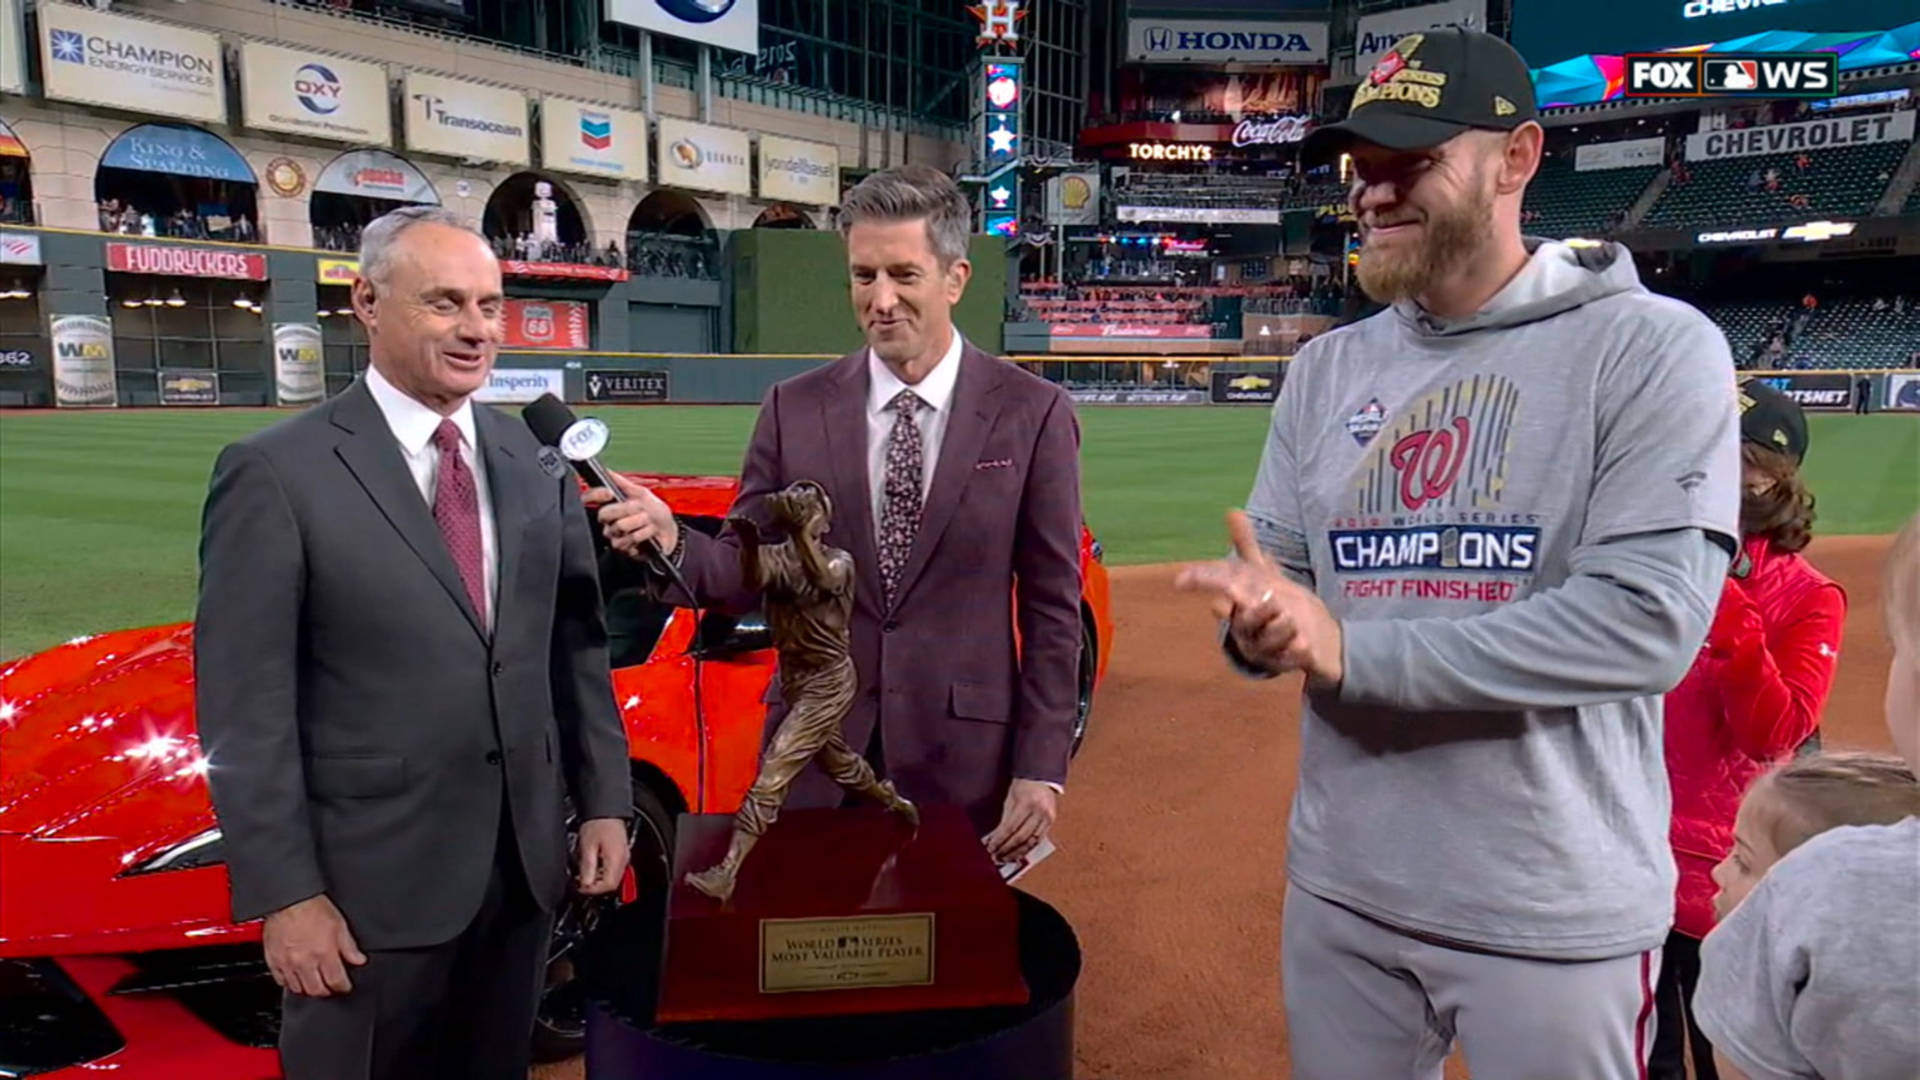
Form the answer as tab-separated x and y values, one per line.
1753	696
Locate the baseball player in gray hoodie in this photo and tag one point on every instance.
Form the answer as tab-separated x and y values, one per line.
1490	526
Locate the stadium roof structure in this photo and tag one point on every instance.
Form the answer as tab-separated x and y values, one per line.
1598	79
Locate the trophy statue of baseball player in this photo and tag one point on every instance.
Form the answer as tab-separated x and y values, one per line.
808	592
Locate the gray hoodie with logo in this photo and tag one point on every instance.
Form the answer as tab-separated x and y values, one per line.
1523	519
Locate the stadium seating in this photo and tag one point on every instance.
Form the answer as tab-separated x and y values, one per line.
1838	184
1841	334
1567	203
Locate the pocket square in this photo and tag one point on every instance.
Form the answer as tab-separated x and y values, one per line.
996	463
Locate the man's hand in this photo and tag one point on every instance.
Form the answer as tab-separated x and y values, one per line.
1028	815
602	852
1276	625
309	947
634	516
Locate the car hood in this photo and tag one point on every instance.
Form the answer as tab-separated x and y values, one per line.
100	770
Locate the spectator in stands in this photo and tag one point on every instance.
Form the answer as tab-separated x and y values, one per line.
1801	161
1753	695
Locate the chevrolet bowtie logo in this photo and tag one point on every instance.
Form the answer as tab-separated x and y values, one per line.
1251	382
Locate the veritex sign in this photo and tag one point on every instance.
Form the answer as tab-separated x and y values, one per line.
185	261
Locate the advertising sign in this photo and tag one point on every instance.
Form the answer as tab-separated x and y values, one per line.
1828	391
311	93
83	360
376	174
1376	34
1138	397
16	359
189	386
177	150
20	248
1219	41
799	171
335	271
1903	393
1549	31
13	49
593	140
704	157
517	386
466	119
1074	199
729	24
1243	388
1127	330
546	324
1809	135
185	261
1203	215
567	271
298	378
1620	155
139	65
613	384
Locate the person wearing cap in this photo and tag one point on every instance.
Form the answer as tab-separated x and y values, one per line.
1490	526
1753	696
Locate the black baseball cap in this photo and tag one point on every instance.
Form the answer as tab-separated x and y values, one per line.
1771	419
1429	87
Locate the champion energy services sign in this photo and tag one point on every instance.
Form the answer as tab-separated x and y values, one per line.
140	65
185	261
466	119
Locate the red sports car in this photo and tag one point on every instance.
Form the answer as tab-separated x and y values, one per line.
115	946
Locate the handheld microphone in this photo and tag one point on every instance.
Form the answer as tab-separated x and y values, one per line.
579	440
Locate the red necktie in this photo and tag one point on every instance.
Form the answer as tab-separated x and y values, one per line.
456	508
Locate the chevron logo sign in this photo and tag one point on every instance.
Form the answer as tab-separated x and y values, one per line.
596	130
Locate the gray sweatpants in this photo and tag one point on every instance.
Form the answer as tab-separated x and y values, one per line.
1365	1002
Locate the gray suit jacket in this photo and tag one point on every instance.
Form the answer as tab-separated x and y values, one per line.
365	732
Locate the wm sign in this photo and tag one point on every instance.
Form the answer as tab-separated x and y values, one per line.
1754	75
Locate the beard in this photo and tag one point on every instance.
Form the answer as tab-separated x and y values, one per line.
1449	239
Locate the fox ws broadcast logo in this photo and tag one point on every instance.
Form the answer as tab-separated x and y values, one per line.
1658	75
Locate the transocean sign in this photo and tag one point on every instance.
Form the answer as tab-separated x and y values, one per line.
1208	41
466	119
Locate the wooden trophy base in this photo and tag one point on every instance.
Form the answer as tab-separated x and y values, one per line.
840	912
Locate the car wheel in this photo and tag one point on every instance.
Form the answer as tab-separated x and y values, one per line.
560	1026
1083	694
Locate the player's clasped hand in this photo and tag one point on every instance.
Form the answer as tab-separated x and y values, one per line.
1276	625
633	517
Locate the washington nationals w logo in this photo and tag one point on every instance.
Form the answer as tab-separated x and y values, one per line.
1429	462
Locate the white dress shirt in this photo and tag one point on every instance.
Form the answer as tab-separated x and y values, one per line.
413	425
936	390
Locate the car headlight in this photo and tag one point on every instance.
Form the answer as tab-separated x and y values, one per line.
207	849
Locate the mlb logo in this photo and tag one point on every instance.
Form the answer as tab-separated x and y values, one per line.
1731	76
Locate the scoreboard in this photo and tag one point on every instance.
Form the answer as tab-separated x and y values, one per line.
1550	31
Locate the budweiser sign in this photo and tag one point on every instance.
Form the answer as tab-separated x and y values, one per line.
185	261
1282	129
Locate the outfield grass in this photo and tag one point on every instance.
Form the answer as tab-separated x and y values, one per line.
100	511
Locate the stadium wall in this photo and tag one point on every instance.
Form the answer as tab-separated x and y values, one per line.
790	293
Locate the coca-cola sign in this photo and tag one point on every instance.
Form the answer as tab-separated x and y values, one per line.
185	261
1280	129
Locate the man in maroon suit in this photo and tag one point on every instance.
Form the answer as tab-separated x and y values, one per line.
954	475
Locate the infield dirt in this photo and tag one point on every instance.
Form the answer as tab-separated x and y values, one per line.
1172	833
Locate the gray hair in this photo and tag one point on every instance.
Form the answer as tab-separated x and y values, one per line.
910	193
377	239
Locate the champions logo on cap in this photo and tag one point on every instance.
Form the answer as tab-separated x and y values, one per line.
1397	76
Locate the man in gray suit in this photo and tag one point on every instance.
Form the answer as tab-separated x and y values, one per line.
401	676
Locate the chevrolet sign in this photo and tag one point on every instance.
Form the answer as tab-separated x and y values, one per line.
1815	231
1206	41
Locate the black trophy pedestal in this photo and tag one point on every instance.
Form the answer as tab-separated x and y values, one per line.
619	965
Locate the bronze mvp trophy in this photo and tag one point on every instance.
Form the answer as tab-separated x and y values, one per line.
870	909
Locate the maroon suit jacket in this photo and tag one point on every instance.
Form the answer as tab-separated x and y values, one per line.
962	708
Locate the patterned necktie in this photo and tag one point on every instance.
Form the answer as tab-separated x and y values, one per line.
900	513
456	508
